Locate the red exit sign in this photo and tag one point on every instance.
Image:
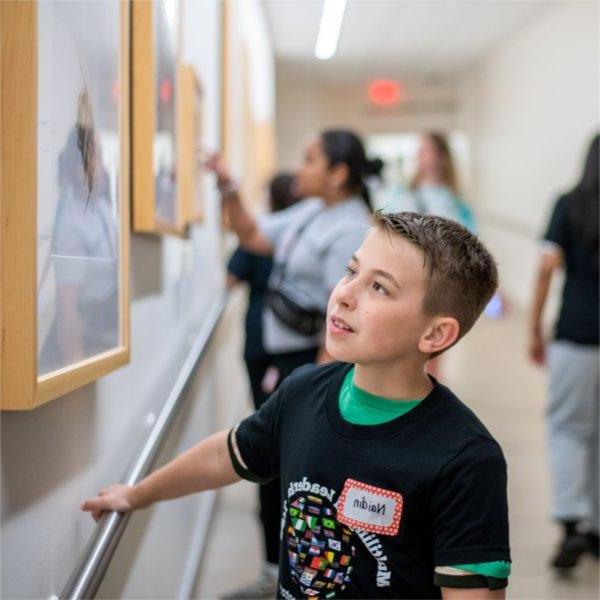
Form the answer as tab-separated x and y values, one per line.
385	92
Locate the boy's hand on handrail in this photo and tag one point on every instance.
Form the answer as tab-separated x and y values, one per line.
205	466
114	497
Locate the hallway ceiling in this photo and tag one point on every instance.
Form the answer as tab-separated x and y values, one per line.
396	38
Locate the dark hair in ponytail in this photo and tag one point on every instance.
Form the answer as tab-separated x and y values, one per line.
583	204
342	146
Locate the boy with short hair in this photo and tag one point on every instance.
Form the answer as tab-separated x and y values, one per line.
391	486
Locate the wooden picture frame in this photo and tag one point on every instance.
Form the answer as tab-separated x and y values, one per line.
30	164
190	139
247	140
156	109
226	55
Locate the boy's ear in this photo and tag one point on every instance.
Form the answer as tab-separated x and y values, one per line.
441	334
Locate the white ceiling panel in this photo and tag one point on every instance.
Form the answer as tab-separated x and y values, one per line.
397	38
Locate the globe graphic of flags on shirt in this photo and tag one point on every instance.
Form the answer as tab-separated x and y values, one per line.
319	548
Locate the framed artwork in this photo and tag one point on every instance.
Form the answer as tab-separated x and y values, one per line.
156	101
247	138
190	145
259	143
226	58
65	196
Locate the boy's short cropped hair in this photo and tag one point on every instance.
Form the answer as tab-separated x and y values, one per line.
462	274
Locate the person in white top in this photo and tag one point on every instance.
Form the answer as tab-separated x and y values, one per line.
311	243
434	188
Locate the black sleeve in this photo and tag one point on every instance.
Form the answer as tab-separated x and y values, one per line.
240	264
257	440
558	227
470	508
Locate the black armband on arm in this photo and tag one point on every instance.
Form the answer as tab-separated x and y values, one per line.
236	460
471	581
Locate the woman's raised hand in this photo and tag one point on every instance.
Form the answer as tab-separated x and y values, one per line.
216	164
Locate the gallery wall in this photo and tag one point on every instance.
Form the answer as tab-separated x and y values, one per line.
60	453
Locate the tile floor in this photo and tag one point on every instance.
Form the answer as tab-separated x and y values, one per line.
489	371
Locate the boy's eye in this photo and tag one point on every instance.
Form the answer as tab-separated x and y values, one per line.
379	288
350	272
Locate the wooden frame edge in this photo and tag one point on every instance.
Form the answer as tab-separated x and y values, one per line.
143	124
142	116
18	210
191	91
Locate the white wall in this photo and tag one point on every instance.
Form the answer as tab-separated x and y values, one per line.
531	109
60	453
306	106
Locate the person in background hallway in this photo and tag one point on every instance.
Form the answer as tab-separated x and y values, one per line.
376	183
254	270
571	243
311	243
434	188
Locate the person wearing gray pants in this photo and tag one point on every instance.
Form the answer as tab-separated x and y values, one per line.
573	431
571	242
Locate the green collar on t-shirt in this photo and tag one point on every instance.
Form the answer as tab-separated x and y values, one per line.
361	408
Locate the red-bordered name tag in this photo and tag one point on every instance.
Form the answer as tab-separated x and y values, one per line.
370	508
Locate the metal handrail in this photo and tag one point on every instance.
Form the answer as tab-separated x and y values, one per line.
95	559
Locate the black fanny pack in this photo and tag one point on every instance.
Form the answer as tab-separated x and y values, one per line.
306	321
301	320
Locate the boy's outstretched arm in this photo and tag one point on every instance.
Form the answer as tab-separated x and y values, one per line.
472	594
205	466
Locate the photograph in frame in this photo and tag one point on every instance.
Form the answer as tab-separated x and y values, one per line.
66	318
155	115
78	176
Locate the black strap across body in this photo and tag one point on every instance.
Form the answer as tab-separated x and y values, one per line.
306	321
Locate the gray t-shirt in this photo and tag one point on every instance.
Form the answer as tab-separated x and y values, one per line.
316	262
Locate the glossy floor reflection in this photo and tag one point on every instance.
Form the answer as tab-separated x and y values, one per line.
489	371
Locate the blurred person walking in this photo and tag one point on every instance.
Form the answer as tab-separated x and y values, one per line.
571	243
255	269
434	188
311	243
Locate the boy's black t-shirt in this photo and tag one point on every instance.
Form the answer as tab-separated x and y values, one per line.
370	511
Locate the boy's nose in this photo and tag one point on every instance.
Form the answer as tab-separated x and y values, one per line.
345	296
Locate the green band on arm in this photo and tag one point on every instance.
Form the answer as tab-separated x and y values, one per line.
498	568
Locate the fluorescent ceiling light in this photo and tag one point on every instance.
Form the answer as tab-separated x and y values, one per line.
329	28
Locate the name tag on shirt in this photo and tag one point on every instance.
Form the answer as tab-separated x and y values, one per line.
369	508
